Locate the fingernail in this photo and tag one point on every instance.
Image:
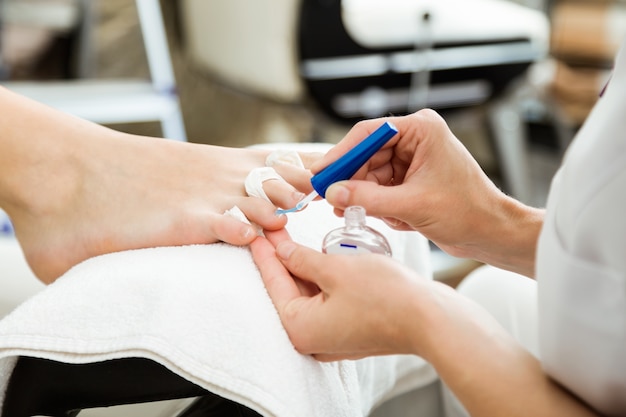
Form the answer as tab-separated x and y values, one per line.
247	232
338	195
285	249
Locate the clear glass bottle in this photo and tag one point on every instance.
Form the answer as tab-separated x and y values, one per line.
355	237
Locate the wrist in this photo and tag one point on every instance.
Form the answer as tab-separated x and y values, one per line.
449	328
509	234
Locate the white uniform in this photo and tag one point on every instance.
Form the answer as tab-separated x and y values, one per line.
581	258
574	317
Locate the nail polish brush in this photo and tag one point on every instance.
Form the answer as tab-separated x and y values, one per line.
346	166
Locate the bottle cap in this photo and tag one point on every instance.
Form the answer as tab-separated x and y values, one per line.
346	166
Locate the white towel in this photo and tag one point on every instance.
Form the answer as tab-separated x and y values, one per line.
203	312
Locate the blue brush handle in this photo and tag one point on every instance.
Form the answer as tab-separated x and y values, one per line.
346	166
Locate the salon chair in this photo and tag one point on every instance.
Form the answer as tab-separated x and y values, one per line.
360	60
40	387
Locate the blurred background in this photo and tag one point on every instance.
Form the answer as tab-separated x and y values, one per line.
515	79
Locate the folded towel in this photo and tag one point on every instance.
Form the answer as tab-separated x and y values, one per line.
203	312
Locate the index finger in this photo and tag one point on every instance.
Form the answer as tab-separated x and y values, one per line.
358	133
277	280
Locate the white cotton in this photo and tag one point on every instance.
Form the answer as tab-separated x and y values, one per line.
284	156
256	178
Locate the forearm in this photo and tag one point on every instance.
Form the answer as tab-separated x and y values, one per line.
488	371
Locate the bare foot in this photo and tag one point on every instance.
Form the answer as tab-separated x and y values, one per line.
129	192
74	189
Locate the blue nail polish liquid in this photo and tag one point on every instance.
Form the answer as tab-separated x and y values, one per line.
6	228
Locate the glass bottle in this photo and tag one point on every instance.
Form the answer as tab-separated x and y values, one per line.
355	237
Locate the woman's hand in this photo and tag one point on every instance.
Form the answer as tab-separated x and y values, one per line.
340	306
424	179
350	306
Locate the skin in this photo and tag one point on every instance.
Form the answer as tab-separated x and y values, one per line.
424	179
347	307
74	189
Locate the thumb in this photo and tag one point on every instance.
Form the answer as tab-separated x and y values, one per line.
377	200
305	263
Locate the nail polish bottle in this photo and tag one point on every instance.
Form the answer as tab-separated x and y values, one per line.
355	237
